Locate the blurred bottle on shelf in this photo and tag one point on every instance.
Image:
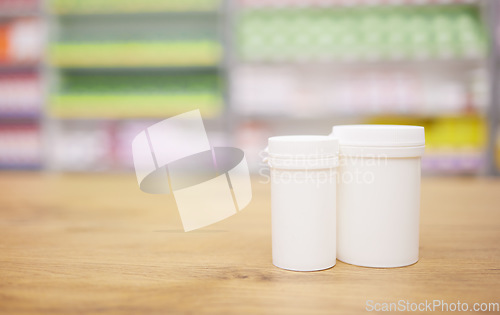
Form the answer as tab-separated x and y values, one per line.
21	95
358	33
19	7
312	92
80	146
130	6
20	146
454	144
21	41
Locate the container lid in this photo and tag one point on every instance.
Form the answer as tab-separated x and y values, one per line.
303	146
379	135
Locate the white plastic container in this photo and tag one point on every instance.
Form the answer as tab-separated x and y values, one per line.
378	209
303	187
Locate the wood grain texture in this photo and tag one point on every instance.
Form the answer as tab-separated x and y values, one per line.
96	244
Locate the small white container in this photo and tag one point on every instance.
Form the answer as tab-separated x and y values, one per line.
303	202
378	209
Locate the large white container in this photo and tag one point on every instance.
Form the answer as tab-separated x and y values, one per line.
378	208
303	187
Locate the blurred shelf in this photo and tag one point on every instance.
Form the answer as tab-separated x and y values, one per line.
140	69
22	40
139	83
260	4
81	7
429	64
19	167
133	106
19	117
458	161
135	54
10	67
136	14
362	115
18	14
457	60
147	121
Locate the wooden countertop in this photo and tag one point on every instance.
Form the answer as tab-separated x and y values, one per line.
97	244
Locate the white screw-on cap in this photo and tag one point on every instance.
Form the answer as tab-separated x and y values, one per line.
303	146
379	135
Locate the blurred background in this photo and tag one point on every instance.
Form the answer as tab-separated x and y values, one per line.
80	78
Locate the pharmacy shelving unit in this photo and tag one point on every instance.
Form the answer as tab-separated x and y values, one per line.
317	63
119	66
21	84
255	68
